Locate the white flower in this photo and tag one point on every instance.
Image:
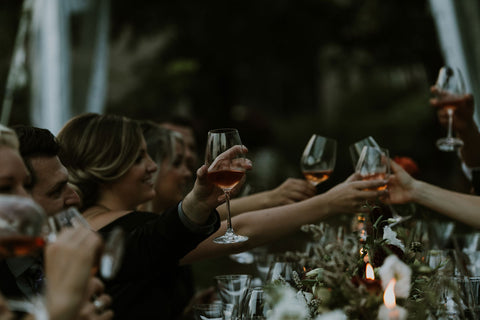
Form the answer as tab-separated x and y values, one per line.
391	238
313	273
291	306
333	315
394	268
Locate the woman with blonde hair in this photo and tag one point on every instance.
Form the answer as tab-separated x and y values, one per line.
107	159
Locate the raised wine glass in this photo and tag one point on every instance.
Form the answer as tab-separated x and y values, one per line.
318	159
449	89
225	173
374	163
22	227
357	147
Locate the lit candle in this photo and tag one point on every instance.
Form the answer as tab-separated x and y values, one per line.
369	274
370	282
389	310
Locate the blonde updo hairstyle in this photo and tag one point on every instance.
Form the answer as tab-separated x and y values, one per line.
98	149
8	138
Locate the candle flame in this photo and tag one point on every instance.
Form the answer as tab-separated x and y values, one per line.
389	295
369	274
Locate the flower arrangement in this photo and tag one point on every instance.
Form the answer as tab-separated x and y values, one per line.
334	283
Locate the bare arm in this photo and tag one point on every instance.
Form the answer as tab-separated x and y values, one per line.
459	206
263	226
290	191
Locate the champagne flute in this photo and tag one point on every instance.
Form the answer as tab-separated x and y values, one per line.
225	173
450	87
318	159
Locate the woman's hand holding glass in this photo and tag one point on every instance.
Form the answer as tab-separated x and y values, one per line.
71	289
449	91
350	195
225	158
318	159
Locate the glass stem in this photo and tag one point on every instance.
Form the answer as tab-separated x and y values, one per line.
450	122
229	218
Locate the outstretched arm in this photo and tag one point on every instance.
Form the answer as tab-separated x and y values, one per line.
459	206
263	226
290	191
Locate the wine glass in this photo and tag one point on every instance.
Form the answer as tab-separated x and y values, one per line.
373	164
357	147
225	173
449	87
112	254
22	226
318	159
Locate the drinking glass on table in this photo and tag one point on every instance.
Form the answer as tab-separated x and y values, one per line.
210	311
449	89
318	159
255	305
225	173
232	288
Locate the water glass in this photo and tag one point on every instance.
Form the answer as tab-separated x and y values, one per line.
210	311
232	287
254	305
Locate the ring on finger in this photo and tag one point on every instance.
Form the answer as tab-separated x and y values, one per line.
99	306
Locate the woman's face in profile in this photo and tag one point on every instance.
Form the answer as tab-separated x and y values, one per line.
136	186
14	176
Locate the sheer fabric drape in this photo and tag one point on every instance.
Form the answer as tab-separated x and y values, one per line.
458	26
65	77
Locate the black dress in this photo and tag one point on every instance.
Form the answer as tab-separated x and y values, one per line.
144	286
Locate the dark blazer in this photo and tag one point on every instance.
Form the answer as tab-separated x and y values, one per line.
8	284
146	284
476	181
